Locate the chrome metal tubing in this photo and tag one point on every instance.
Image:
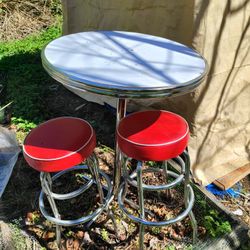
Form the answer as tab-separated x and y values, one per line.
125	161
120	113
46	183
186	197
93	161
183	177
178	177
60	222
141	203
131	203
165	171
135	92
157	223
73	193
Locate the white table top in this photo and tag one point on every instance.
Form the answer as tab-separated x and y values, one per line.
124	64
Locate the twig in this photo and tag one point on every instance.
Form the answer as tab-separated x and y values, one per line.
243	195
2	108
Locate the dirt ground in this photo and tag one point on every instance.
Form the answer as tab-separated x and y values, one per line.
20	201
240	206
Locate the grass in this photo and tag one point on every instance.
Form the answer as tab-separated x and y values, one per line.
24	80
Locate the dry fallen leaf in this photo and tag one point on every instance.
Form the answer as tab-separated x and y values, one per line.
87	238
72	244
49	235
80	234
153	244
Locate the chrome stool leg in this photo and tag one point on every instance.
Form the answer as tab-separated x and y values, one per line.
92	162
46	184
187	187
125	189
141	203
165	171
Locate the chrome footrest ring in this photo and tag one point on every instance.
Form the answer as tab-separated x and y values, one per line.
178	177
157	223
74	193
178	180
83	219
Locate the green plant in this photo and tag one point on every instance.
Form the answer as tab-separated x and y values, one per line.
131	228
171	247
215	225
17	237
156	230
105	149
26	82
152	163
79	175
69	233
23	124
104	234
213	221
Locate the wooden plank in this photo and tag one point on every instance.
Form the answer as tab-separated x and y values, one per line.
233	177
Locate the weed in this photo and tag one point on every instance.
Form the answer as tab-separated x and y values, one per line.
34	217
79	175
105	149
104	234
23	124
215	225
152	164
171	247
156	230
69	233
132	227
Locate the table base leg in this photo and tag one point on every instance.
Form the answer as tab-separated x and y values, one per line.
120	113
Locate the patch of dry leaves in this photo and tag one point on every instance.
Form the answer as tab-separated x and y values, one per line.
21	18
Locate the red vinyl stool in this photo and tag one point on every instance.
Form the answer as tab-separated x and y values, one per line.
155	136
59	145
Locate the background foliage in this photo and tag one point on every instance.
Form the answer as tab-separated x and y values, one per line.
22	76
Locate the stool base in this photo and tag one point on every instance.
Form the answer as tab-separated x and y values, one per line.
188	194
46	182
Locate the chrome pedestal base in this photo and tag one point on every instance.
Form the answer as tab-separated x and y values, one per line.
135	179
96	174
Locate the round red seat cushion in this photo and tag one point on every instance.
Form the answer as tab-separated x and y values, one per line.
153	135
59	144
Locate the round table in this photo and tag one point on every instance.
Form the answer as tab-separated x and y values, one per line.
123	65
